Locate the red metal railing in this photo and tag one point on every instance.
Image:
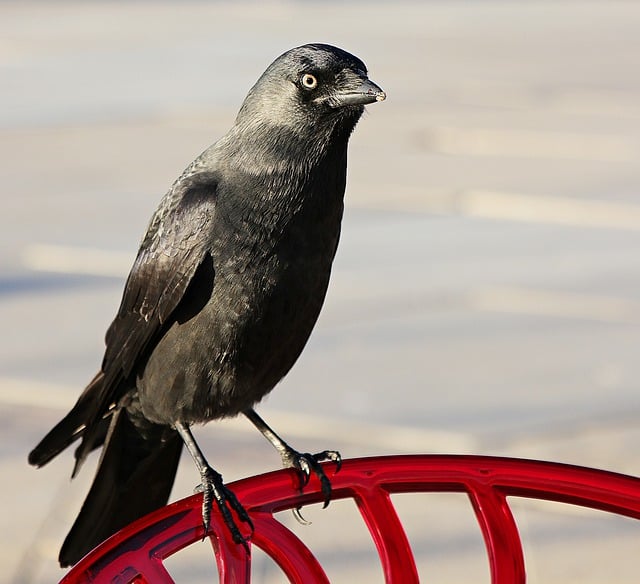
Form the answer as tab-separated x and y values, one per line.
136	553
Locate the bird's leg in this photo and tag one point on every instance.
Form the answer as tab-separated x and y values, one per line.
304	463
212	487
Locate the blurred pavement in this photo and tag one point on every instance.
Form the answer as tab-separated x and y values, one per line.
486	294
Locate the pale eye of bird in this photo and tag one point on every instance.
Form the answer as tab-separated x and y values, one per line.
309	81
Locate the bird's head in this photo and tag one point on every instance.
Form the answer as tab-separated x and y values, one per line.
310	88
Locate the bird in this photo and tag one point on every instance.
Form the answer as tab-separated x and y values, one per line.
223	294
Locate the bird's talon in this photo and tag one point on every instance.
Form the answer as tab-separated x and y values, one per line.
306	463
213	489
297	513
305	469
329	456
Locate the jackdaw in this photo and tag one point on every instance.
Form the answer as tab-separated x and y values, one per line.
222	297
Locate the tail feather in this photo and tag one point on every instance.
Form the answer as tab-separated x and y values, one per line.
70	428
135	476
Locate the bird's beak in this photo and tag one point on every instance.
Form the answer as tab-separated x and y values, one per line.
367	92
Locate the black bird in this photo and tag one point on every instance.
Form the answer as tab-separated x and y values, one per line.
222	297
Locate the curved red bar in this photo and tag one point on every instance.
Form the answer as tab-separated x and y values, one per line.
136	553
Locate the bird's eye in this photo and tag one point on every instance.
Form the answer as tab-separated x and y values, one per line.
309	81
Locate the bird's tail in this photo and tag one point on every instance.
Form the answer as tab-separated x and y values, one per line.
135	476
71	427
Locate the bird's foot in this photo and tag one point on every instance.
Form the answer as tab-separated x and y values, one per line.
306	463
213	489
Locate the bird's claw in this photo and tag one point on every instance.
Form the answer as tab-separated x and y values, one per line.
297	513
306	463
213	489
330	455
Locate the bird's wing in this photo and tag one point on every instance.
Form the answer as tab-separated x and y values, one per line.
175	245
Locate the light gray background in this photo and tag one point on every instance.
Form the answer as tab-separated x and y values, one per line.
485	297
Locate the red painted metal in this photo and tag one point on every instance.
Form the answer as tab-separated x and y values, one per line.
136	553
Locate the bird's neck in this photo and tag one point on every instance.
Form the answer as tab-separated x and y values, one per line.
286	177
281	154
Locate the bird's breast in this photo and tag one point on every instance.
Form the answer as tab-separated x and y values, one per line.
267	293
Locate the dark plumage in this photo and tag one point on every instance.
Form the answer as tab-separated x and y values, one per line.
223	295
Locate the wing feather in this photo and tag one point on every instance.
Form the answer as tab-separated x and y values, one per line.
176	243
